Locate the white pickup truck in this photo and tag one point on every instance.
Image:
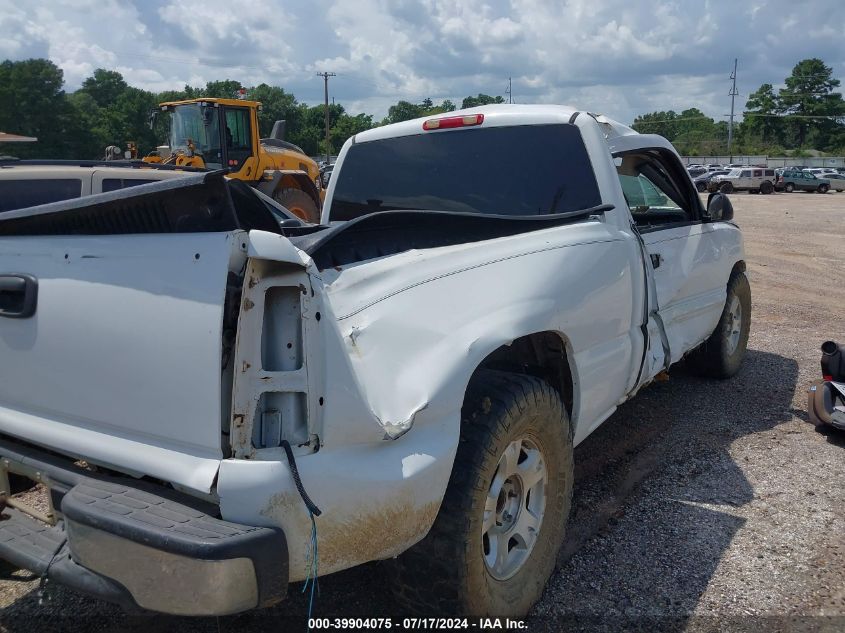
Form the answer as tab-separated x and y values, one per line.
193	382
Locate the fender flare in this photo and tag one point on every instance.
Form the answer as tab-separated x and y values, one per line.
272	185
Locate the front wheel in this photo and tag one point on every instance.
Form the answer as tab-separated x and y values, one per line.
726	187
495	540
766	188
789	187
824	188
721	355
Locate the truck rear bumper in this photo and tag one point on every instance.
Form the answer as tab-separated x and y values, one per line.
133	544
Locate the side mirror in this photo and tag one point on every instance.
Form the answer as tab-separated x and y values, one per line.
153	117
719	208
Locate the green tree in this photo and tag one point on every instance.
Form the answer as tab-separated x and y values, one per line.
104	86
662	123
348	126
34	104
760	118
809	93
276	105
226	89
480	100
405	110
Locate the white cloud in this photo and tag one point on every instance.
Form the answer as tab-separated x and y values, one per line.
613	56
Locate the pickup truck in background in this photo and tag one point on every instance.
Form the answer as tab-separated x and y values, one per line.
205	391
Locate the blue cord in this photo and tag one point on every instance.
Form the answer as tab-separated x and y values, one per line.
313	510
311	575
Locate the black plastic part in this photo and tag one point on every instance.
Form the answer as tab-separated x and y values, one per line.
833	361
42	549
312	507
281	144
137	511
18	295
390	232
27	543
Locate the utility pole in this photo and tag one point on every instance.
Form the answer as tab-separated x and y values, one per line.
733	94
325	77
510	91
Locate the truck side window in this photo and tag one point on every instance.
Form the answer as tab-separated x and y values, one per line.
653	196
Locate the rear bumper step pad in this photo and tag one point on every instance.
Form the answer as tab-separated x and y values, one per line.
118	540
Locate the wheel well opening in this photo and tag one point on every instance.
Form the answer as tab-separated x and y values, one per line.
542	355
739	267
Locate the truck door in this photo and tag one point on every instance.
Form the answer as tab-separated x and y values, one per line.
686	253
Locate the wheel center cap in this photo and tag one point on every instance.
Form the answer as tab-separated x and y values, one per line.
509	503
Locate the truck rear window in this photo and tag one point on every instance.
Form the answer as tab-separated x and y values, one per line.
19	194
518	170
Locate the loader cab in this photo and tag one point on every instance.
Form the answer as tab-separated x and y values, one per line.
215	133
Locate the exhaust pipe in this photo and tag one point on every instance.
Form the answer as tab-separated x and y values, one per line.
833	361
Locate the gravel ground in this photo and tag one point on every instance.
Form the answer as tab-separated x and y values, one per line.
699	506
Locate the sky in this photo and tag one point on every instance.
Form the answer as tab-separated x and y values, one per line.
616	57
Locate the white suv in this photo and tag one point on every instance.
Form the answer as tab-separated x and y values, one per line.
30	183
750	179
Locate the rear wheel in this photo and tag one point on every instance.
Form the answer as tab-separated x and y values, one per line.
824	188
299	203
494	543
701	187
766	188
789	187
726	187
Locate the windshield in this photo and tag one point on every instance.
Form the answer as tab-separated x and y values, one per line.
199	125
517	170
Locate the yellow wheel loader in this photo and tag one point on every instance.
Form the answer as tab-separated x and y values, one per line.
223	134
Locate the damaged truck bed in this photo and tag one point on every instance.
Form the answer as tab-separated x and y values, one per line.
201	380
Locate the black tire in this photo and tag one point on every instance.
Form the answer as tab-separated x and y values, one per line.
726	187
824	188
446	572
789	187
700	187
299	203
766	188
714	357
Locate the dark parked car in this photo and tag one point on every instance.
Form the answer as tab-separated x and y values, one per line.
794	179
701	181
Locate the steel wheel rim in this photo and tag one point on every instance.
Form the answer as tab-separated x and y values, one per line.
514	509
735	313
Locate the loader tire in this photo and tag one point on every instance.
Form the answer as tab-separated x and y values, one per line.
721	355
501	523
299	203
